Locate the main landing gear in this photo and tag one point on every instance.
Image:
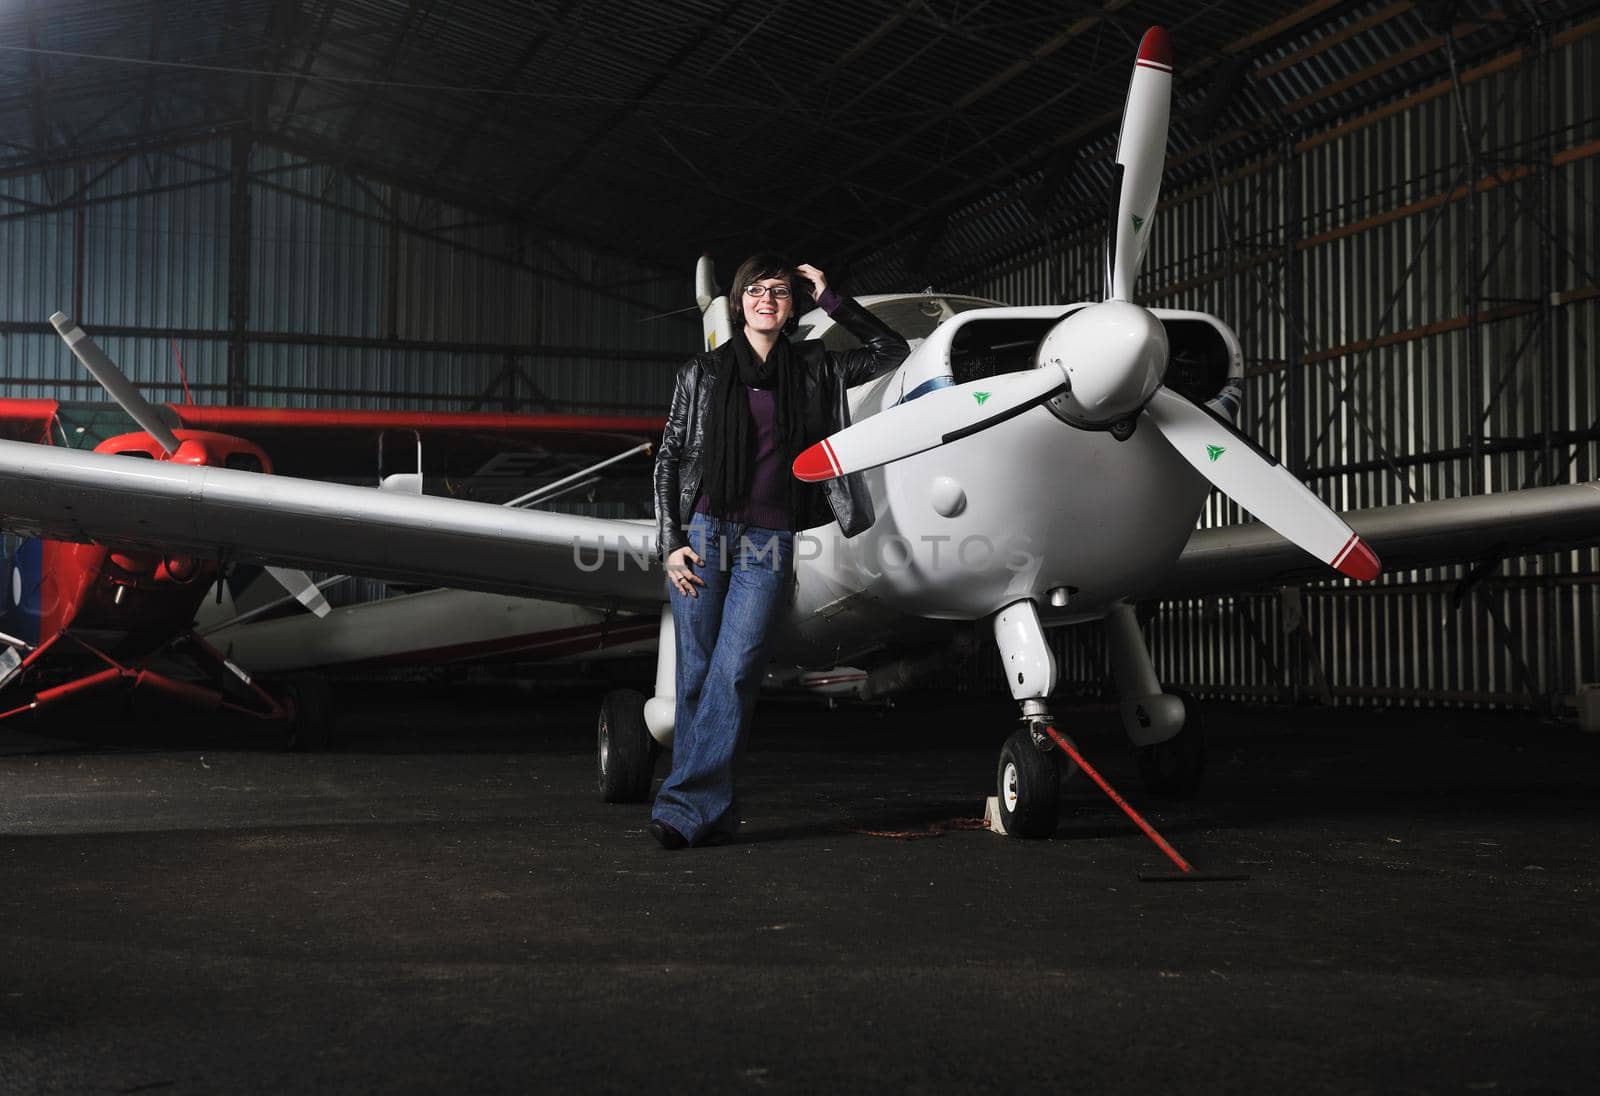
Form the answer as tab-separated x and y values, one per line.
307	703
1165	728
211	682
633	730
627	752
1028	777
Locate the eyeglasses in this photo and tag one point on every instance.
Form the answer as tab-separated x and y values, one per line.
756	292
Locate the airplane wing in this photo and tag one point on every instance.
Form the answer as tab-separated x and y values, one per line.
247	517
1234	558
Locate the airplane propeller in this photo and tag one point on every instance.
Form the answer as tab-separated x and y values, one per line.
143	412
114	381
1102	367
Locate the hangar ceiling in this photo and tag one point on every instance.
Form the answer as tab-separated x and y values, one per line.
656	131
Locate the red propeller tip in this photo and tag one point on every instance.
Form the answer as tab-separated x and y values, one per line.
1358	561
816	463
1156	48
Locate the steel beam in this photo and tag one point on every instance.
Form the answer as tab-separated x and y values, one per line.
319	153
353	342
616	117
1555	680
341	396
384	70
79	232
1294	319
239	272
286	116
485	120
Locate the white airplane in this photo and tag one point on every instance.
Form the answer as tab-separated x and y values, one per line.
447	626
1028	467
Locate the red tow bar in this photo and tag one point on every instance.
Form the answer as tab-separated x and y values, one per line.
1185	869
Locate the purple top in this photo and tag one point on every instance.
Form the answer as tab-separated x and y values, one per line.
769	490
769	493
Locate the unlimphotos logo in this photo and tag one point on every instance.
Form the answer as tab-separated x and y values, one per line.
1214	451
980	397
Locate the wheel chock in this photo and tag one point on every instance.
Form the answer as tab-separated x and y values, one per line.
991	816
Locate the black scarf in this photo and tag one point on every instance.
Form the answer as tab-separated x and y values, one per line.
730	433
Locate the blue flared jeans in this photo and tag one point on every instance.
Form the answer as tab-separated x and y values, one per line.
722	658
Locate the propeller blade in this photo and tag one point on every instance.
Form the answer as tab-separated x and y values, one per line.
1255	480
716	312
1142	152
938	418
113	381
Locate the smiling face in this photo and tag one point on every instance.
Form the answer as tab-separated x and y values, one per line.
766	312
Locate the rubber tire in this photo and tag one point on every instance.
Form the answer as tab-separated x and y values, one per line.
309	700
1038	787
1173	769
625	749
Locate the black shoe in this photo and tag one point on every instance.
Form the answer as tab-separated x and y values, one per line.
666	836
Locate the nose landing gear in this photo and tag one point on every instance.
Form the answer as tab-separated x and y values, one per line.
1029	787
1028	776
1036	756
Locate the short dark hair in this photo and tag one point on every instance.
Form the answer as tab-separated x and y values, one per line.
764	264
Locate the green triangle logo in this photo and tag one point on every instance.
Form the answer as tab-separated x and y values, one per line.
980	397
1214	451
1138	222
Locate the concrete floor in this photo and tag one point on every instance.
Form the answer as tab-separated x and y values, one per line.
445	906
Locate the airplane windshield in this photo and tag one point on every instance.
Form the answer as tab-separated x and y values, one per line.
911	317
84	425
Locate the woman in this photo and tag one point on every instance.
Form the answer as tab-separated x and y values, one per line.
726	510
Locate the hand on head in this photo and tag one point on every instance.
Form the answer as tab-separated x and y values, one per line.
818	280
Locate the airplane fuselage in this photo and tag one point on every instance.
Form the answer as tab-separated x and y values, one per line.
1032	508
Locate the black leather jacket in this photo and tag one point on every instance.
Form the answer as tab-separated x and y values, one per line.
678	467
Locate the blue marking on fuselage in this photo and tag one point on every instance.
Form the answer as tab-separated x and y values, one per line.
927	386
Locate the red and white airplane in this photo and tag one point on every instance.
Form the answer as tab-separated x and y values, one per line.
79	618
1028	467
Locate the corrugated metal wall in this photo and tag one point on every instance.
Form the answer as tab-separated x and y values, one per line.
360	293
1375	218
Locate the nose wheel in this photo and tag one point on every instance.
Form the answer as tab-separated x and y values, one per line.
1028	786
